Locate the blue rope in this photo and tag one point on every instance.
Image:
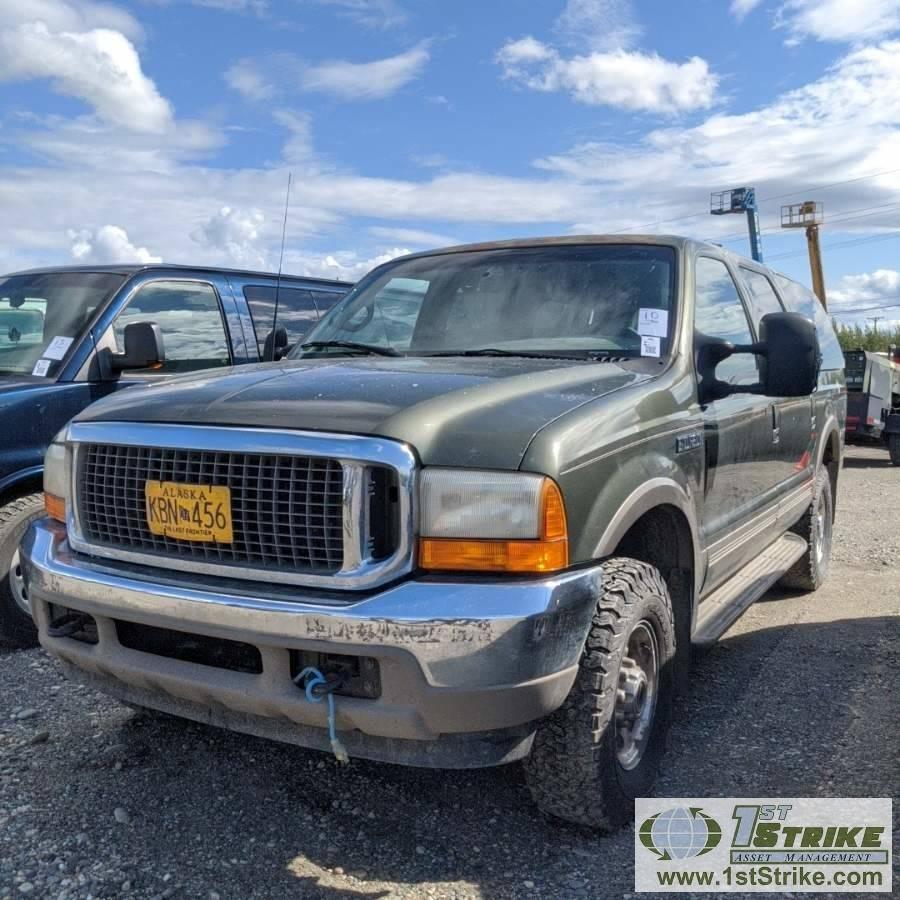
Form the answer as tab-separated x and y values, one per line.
313	678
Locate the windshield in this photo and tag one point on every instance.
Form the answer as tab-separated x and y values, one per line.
558	301
42	314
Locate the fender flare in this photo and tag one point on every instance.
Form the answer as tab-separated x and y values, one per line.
829	431
651	494
11	482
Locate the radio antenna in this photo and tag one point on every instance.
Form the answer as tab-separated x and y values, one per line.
287	202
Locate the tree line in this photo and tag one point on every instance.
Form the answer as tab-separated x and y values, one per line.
853	337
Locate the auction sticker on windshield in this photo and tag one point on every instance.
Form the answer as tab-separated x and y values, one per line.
189	512
762	845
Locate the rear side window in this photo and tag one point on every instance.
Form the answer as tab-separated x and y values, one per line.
299	309
763	299
719	312
800	299
189	316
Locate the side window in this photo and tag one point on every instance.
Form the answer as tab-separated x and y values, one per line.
718	312
190	319
763	298
298	310
800	299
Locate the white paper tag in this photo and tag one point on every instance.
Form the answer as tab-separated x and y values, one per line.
653	321
41	367
650	345
57	348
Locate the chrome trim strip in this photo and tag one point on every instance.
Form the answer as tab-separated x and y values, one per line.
356	454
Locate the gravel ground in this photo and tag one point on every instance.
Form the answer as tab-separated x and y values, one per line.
99	801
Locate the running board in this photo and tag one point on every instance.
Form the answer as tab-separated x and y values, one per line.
721	609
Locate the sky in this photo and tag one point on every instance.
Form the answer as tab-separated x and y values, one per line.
148	130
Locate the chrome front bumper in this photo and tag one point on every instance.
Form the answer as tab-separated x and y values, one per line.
456	657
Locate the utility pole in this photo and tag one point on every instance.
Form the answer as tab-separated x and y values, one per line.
809	215
740	200
874	320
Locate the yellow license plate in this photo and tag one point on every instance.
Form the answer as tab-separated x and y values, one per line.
189	512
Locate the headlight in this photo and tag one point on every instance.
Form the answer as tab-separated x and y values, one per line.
56	477
491	522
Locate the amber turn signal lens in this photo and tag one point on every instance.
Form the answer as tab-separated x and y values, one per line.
548	553
493	556
56	507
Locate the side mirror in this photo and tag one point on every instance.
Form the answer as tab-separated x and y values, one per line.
789	359
144	348
276	345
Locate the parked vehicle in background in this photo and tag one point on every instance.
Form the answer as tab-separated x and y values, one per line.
873	390
873	399
484	510
64	342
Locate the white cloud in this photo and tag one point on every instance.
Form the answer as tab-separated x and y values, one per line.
69	15
424	240
626	79
99	66
108	244
345	265
244	77
742	8
237	235
371	13
599	24
839	20
868	289
367	81
255	6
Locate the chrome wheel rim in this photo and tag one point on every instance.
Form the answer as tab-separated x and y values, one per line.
17	584
822	528
636	695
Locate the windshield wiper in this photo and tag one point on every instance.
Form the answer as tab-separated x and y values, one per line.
496	351
372	349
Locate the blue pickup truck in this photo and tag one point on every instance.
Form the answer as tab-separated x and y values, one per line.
69	336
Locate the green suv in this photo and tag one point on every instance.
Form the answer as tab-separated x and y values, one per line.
480	515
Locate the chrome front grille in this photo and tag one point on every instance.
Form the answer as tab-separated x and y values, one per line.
326	510
287	510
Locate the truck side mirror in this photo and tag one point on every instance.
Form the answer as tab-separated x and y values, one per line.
789	355
789	359
144	348
276	344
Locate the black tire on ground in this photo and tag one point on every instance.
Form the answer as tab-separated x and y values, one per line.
575	771
16	626
810	571
893	442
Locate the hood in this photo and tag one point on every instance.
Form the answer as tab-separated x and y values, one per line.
10	384
456	411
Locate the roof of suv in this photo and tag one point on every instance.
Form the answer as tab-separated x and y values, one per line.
131	269
666	240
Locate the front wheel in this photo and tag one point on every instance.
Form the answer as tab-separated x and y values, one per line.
602	747
16	624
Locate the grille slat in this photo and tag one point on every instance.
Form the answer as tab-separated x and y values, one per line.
286	510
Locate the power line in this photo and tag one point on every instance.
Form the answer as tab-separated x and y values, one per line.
862	309
821	187
854	243
848	216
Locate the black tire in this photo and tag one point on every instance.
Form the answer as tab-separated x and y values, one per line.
893	443
811	570
16	626
575	771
